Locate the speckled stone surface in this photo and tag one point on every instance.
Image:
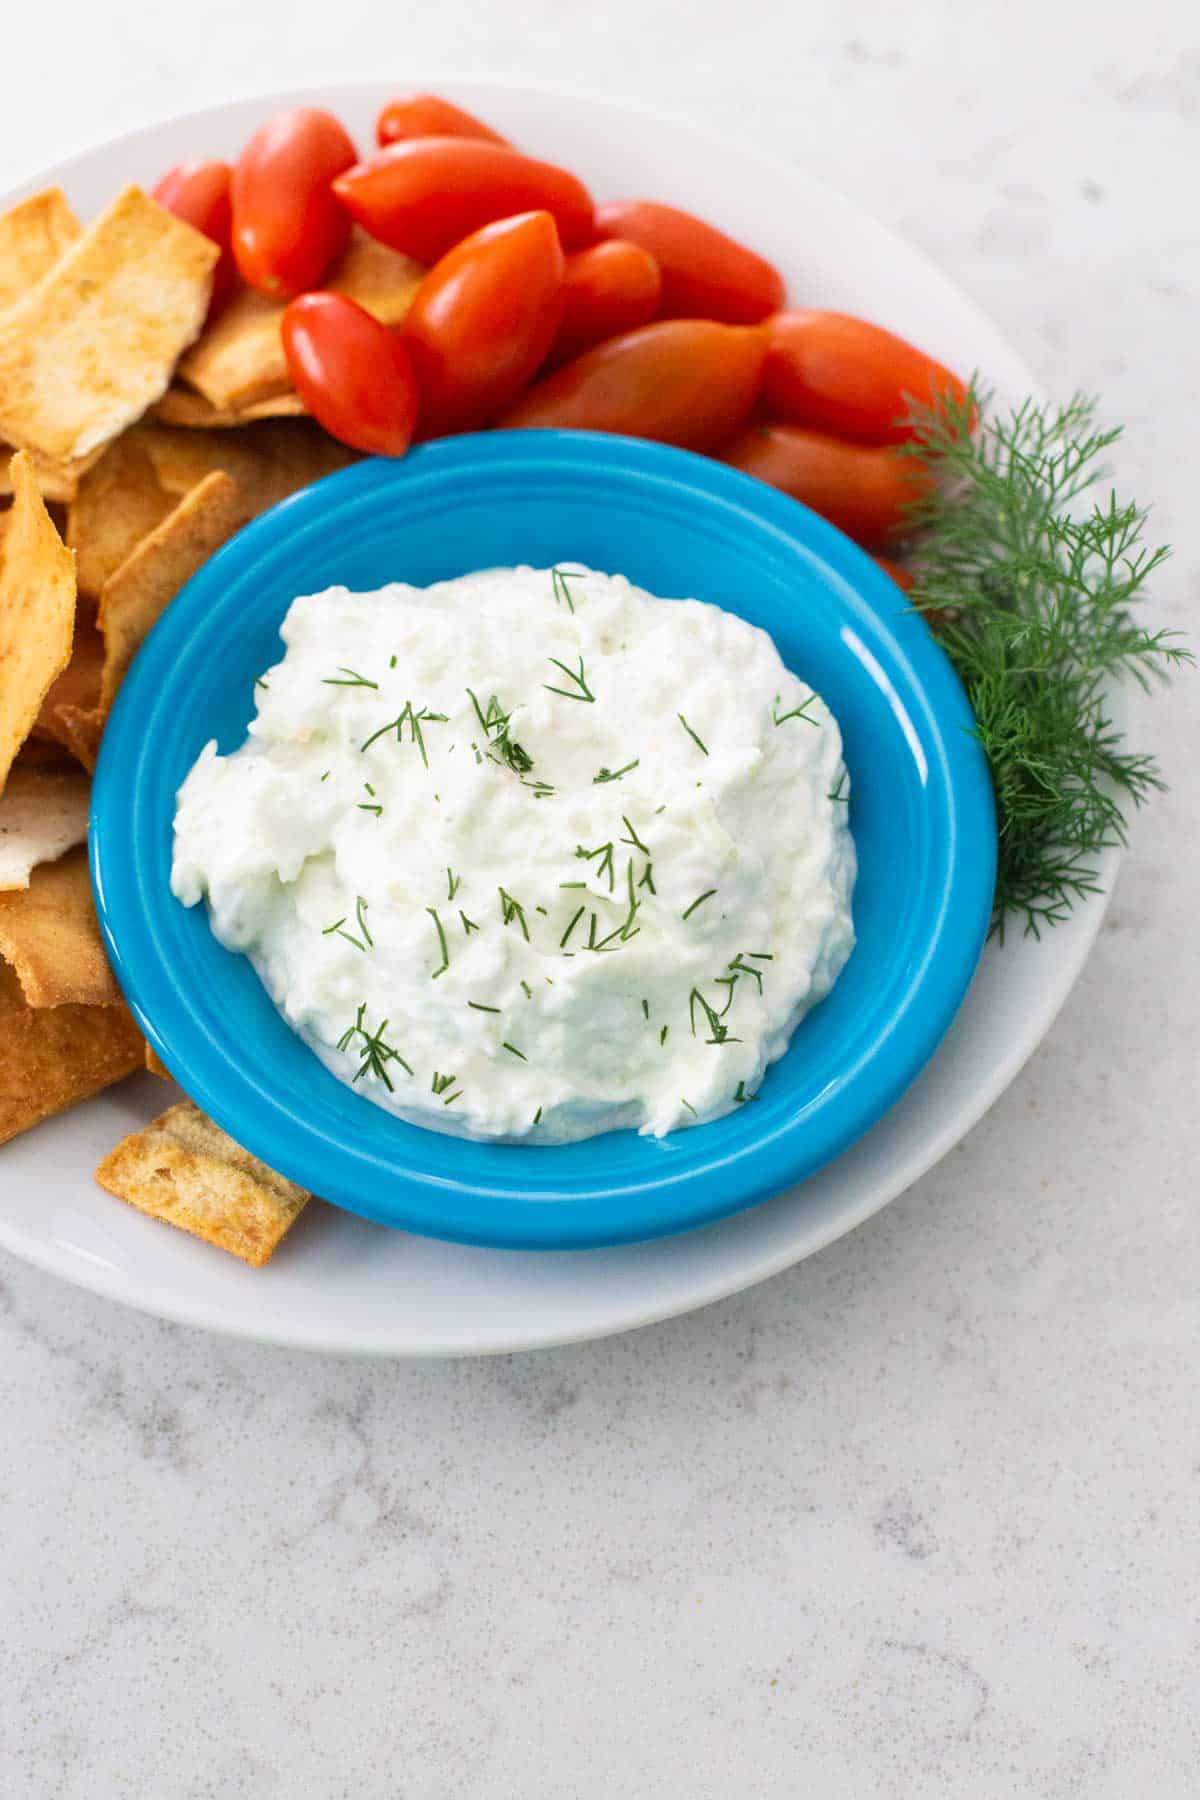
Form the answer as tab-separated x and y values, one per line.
918	1518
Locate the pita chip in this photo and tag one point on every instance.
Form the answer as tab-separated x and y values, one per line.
80	729
184	1169
58	481
136	594
55	1056
116	505
33	235
239	360
95	341
183	406
43	814
78	686
37	611
48	932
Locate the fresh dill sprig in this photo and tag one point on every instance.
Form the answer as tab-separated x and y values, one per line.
468	925
720	1031
375	1049
363	943
614	774
1028	576
695	737
453	882
582	690
349	678
837	793
513	1051
441	1082
633	839
605	865
741	1096
480	1007
443	945
565	939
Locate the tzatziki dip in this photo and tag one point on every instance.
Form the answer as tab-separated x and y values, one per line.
530	854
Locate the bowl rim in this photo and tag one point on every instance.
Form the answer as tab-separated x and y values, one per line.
464	1210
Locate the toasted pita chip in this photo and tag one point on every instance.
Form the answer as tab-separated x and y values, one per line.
155	1064
58	482
239	359
184	1169
116	505
55	1056
139	591
81	728
88	349
269	460
37	611
78	686
182	406
48	932
33	235
43	814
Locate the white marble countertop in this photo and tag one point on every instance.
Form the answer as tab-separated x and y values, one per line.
918	1518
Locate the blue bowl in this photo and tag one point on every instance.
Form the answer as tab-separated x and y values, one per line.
677	524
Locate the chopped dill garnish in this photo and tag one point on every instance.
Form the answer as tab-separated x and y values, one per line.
511	909
797	712
761	955
468	925
690	1107
741	1096
513	1051
525	987
442	1082
414	720
537	1117
738	967
367	941
376	1051
575	918
349	678
453	882
605	853
392	660
541	790
695	737
327	774
662	1036
572	884
647	880
837	793
646	1009
720	1031
445	948
480	1007
633	837
495	724
542	910
584	691
614	774
699	901
558	582
264	685
451	1098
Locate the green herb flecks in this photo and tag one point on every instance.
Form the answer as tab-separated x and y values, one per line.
605	866
698	901
690	1108
415	719
614	774
581	691
633	839
694	735
741	1096
453	883
442	944
364	941
374	1048
1029	580
838	794
478	1006
513	1051
349	678
646	1010
511	910
720	1033
495	723
797	712
442	1082
566	936
468	925
558	582
537	1117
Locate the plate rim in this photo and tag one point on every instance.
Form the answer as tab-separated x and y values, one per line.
67	1263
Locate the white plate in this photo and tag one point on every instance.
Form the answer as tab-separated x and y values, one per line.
341	1284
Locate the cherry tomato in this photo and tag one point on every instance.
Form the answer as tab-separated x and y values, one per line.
427	115
428	194
199	193
860	488
612	287
843	375
683	381
287	226
705	275
482	321
899	574
352	373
